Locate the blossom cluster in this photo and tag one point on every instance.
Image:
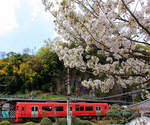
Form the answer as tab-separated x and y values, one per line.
117	28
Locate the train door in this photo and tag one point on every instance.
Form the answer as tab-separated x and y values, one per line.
23	111
70	110
98	110
34	111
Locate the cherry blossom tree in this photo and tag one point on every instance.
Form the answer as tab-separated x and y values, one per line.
117	29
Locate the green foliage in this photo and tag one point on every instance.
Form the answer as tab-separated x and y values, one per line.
85	122
5	123
63	2
143	47
73	89
45	121
29	123
117	113
75	121
62	121
26	72
114	113
127	113
45	88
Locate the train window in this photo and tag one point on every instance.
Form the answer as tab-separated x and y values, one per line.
98	108
59	108
32	108
22	108
47	108
36	108
70	108
77	108
81	108
89	108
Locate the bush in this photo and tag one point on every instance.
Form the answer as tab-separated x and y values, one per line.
114	113
85	122
127	113
46	121
62	121
75	121
29	123
5	123
119	114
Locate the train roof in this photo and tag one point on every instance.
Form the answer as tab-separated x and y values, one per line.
59	103
13	100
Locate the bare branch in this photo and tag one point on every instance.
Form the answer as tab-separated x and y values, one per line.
93	9
121	19
80	3
144	57
136	41
143	27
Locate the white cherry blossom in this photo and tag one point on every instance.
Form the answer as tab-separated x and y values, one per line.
116	30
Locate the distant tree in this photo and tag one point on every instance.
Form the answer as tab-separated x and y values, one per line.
9	72
52	68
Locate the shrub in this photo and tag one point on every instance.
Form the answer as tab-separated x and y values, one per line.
46	121
85	122
119	114
5	123
62	121
75	121
127	113
114	113
29	123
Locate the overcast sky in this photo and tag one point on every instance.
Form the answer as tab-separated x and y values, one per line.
23	24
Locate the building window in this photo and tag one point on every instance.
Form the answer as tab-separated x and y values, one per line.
89	108
47	108
59	108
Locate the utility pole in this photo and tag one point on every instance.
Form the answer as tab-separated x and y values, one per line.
68	98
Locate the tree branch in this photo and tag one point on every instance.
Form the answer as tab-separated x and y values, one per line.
78	2
136	84
121	19
144	57
136	41
144	28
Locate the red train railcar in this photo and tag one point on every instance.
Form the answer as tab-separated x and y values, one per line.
27	110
